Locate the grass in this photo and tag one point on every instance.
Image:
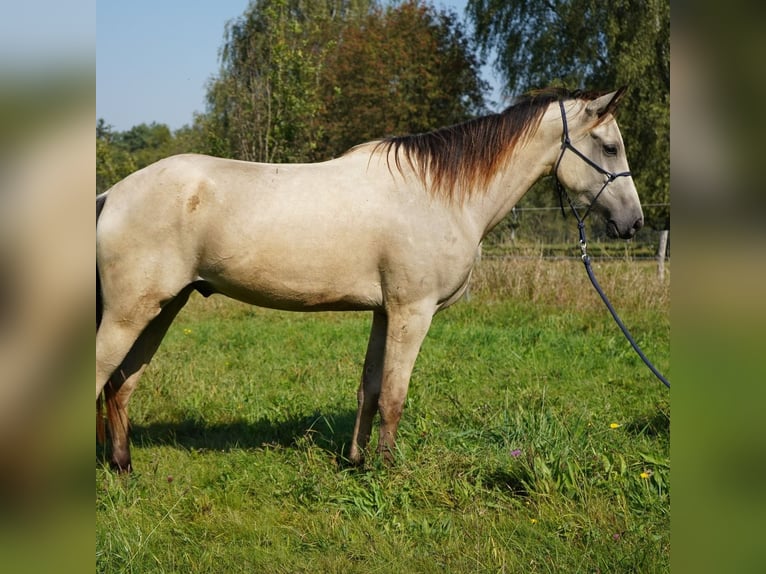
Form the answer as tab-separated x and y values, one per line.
533	439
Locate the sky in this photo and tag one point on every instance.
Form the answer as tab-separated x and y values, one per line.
155	58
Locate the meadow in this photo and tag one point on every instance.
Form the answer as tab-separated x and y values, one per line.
533	438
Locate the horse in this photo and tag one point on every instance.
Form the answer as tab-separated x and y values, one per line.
392	226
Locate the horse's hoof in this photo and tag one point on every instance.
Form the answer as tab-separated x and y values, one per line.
121	468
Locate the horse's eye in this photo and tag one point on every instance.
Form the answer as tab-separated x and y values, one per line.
610	149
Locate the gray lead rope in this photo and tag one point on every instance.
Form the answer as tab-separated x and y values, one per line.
610	177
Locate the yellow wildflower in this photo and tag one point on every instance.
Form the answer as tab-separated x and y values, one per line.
615	425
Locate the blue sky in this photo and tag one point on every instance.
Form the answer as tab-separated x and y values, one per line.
154	58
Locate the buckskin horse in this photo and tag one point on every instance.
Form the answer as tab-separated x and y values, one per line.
392	226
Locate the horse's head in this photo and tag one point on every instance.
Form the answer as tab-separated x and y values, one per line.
593	166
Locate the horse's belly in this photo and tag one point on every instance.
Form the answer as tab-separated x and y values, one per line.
287	284
290	299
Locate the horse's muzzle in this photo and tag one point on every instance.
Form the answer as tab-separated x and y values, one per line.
613	230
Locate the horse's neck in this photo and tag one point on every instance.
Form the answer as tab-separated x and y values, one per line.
528	164
532	160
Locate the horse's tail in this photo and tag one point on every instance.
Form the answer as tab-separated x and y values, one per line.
100	201
106	407
100	430
100	423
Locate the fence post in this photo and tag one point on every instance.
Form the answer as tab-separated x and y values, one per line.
477	259
661	251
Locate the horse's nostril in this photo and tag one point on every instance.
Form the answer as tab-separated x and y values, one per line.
638	224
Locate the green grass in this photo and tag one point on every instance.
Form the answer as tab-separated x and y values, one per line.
507	461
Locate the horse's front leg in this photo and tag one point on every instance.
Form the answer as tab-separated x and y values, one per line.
406	329
369	388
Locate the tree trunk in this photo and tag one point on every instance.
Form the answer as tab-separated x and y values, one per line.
661	251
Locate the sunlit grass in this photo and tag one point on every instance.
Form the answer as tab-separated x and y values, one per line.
532	440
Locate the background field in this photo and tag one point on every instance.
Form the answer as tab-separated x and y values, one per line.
533	439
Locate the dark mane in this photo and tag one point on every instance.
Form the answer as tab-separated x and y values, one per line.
461	160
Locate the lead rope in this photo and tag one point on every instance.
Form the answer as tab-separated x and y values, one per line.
605	299
610	177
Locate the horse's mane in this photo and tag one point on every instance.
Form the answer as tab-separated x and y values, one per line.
460	160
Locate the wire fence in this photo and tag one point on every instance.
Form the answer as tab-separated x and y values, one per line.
535	232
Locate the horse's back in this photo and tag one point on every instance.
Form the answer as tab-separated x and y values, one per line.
332	235
267	234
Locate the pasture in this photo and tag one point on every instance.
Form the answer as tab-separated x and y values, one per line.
533	438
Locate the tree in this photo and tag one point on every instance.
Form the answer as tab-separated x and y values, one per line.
263	104
594	45
304	81
113	162
403	69
146	143
118	154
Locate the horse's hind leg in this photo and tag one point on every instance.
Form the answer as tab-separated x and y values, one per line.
369	388
123	381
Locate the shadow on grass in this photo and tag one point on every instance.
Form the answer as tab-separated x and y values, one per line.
656	425
513	483
331	432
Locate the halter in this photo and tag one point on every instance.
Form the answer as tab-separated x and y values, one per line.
610	177
566	144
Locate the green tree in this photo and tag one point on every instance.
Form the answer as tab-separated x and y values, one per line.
190	138
265	100
304	81
113	162
146	143
403	69
118	154
594	45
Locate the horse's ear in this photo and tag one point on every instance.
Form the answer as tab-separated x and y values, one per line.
605	104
